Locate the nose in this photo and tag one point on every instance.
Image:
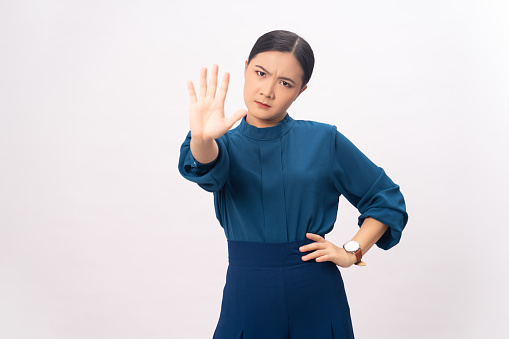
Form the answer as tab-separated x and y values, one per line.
267	90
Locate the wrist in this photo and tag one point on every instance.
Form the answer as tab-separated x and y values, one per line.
201	140
352	258
353	247
204	151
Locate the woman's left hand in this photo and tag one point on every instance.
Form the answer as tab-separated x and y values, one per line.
327	251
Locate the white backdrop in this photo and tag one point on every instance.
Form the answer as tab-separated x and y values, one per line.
100	236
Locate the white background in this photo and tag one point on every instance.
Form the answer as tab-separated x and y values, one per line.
100	236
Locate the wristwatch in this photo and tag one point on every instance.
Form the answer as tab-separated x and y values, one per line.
354	247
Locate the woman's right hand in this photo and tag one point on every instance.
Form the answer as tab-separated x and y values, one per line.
206	114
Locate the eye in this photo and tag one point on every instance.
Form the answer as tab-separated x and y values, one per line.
286	84
260	73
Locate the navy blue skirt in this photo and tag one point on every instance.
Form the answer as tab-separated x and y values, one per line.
271	293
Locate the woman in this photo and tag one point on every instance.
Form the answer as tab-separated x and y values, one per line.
276	183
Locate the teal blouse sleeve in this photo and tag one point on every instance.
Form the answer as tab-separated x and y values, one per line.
367	187
212	176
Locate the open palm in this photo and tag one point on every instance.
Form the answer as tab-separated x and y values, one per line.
206	114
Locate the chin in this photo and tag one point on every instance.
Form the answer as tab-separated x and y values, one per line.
266	117
264	114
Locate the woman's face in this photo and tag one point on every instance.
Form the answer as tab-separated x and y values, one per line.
273	80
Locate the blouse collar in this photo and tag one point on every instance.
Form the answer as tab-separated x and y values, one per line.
267	133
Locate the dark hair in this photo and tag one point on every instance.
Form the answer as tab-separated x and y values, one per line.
285	41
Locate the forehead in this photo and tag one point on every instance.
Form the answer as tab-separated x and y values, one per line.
282	63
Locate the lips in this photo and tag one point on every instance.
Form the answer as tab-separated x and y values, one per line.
262	105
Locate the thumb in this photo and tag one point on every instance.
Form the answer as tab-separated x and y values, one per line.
232	119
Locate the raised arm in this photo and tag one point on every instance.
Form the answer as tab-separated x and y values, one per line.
207	117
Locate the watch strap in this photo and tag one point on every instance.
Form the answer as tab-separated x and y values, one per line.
358	255
358	252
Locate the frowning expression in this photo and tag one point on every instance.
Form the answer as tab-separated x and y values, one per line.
273	80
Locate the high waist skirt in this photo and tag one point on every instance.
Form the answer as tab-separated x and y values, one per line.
271	293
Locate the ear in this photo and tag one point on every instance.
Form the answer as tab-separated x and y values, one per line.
302	90
245	67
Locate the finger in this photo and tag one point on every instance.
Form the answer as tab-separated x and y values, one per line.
312	246
314	255
221	95
323	258
315	237
203	82
213	81
192	92
232	119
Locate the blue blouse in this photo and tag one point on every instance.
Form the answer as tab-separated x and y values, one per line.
277	183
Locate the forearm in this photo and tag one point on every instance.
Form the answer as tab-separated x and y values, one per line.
369	233
204	151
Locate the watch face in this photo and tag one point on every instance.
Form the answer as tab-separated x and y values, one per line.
351	246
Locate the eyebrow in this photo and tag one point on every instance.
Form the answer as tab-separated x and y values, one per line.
283	78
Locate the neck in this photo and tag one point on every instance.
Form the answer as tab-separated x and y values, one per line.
262	123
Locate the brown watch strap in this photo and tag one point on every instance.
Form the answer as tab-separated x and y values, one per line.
358	254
